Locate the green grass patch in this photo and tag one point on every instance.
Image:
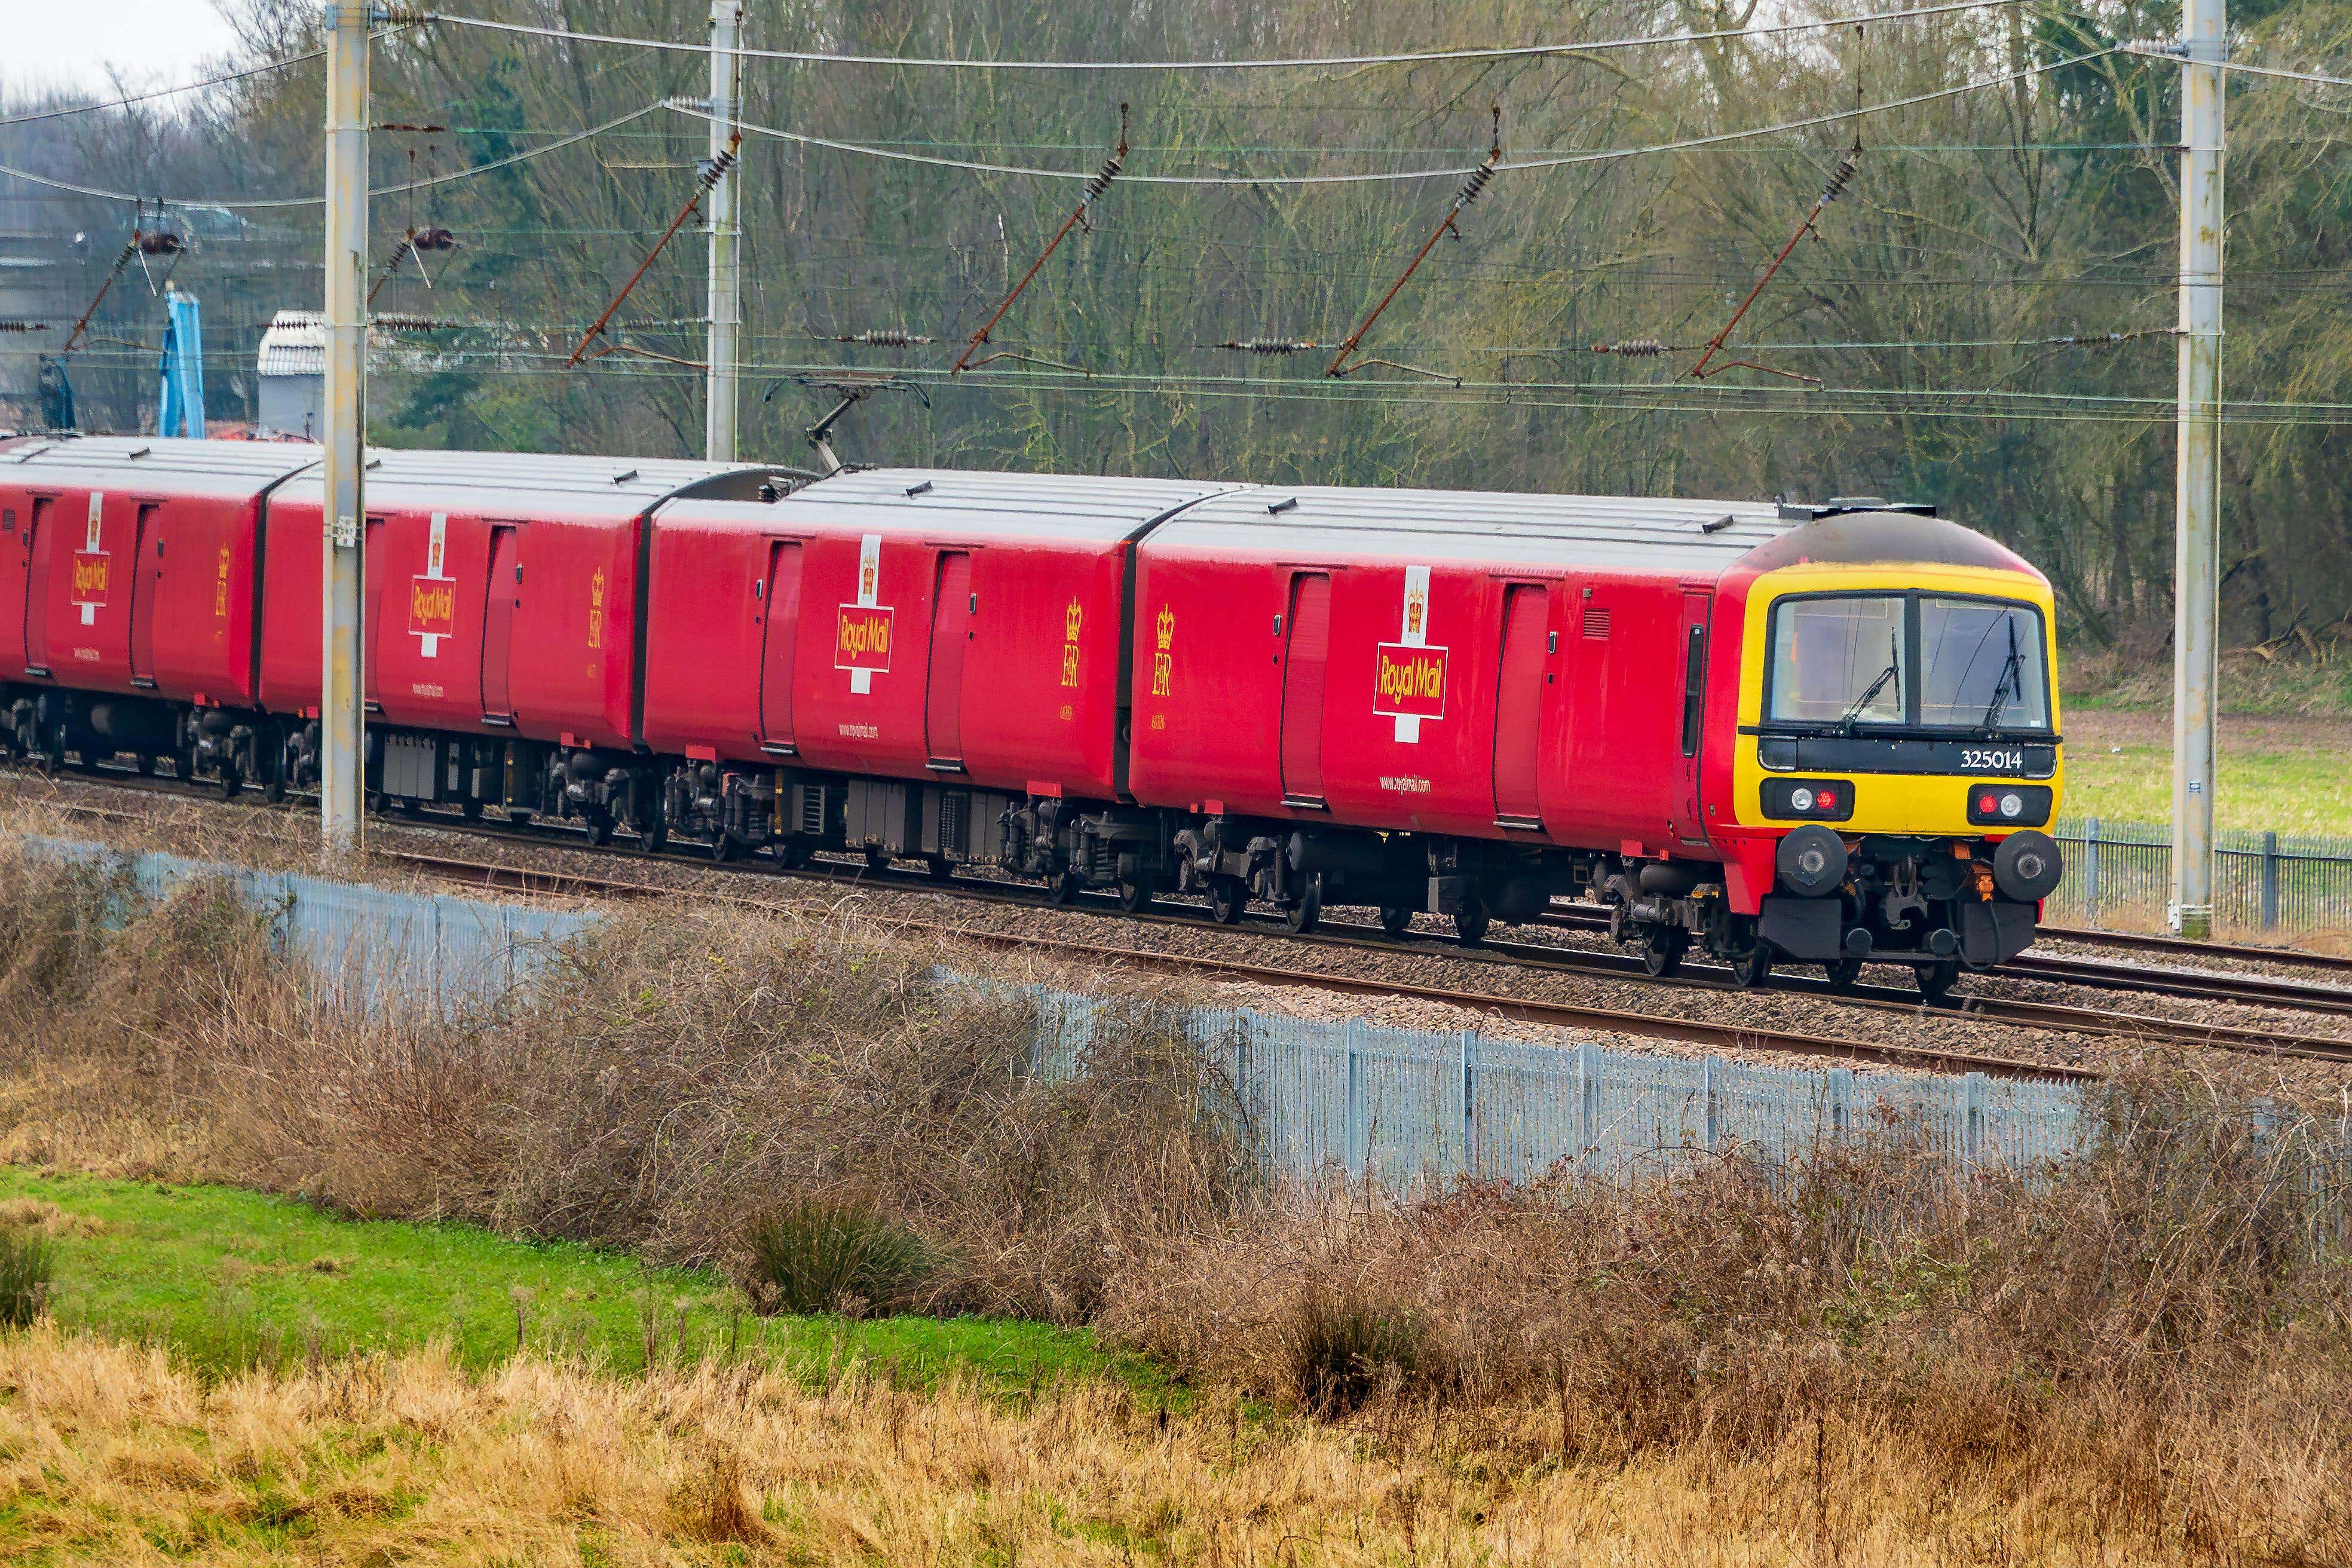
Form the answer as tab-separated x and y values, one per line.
231	1280
2261	787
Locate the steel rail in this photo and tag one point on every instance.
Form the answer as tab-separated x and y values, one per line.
525	880
2252	990
2054	1018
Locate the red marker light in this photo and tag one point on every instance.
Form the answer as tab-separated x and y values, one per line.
1986	806
1826	800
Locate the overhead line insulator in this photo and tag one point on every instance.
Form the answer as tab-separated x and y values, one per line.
1271	345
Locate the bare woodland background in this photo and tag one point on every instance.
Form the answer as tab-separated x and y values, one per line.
1976	228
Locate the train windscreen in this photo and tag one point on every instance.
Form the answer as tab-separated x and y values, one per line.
1839	660
1981	664
1924	660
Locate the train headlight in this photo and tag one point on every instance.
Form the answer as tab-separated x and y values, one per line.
2009	806
1822	800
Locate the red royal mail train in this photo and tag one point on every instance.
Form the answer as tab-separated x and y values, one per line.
1821	734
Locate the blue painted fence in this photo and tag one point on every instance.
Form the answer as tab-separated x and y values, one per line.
1413	1110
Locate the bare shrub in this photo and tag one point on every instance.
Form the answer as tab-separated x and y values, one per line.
2141	1332
669	1079
28	1262
816	1257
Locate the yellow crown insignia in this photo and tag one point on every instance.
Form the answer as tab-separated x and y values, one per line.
1070	618
1166	628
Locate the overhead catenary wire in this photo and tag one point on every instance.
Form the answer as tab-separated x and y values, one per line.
261	203
32	116
2237	67
1604	397
1447	172
1321	62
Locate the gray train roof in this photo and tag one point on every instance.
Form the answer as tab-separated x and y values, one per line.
521	483
144	462
1318	522
959	501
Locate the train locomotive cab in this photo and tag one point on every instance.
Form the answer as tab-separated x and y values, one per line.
1883	781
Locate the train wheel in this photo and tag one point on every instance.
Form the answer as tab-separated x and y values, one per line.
1396	919
232	783
1228	899
600	828
1135	893
1470	922
146	764
1307	913
940	867
1935	981
1064	889
791	854
1752	968
1843	972
725	848
653	835
1663	954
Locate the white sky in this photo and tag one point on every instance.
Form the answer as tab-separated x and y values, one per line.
70	43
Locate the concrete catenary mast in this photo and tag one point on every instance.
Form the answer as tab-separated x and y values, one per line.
2196	575
341	718
726	238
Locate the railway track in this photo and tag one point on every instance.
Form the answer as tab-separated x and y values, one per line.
2013	1012
490	876
2251	990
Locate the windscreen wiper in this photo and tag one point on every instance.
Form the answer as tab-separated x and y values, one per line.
1894	667
2007	684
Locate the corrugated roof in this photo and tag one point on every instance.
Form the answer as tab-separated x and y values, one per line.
1296	522
294	343
1307	521
523	484
138	462
967	503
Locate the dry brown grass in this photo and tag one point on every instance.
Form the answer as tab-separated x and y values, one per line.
111	1455
676	1076
1877	1359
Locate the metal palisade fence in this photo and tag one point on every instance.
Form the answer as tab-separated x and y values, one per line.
1413	1110
380	944
2282	882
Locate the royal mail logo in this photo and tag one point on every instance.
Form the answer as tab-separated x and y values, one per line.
433	597
91	573
1072	620
1409	682
1163	659
431	608
861	637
